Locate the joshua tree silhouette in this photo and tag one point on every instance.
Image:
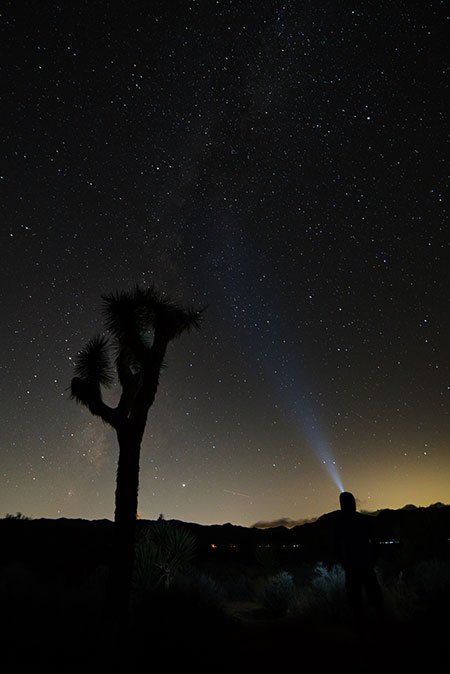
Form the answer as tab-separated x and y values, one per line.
141	324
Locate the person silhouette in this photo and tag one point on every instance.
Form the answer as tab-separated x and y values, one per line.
355	544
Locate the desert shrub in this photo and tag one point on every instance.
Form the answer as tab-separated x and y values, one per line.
424	593
329	581
431	582
17	516
199	588
432	577
163	549
278	594
400	599
325	593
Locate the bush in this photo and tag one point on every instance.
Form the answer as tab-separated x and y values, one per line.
431	582
278	594
199	589
163	549
325	593
400	599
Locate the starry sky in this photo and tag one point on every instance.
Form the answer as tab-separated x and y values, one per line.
283	162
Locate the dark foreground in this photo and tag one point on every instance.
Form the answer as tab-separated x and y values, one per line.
245	608
169	635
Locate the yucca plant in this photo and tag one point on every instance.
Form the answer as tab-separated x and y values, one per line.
140	325
162	551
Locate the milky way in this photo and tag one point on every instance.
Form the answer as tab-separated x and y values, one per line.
284	163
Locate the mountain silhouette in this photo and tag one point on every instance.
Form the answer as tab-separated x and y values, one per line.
80	545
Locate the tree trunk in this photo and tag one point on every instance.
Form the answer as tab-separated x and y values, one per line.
130	432
121	570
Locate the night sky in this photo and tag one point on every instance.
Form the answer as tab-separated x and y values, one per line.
282	162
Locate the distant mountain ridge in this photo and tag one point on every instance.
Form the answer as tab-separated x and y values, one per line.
79	544
290	523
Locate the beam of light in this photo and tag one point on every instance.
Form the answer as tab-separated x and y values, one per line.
277	352
306	420
330	465
318	444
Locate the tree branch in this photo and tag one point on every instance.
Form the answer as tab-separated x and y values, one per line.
90	396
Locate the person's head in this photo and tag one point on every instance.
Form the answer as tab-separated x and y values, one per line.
347	501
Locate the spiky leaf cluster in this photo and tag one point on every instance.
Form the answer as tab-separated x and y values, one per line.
125	314
131	314
130	318
93	364
173	321
163	550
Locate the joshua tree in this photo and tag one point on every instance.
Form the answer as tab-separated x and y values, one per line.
141	323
